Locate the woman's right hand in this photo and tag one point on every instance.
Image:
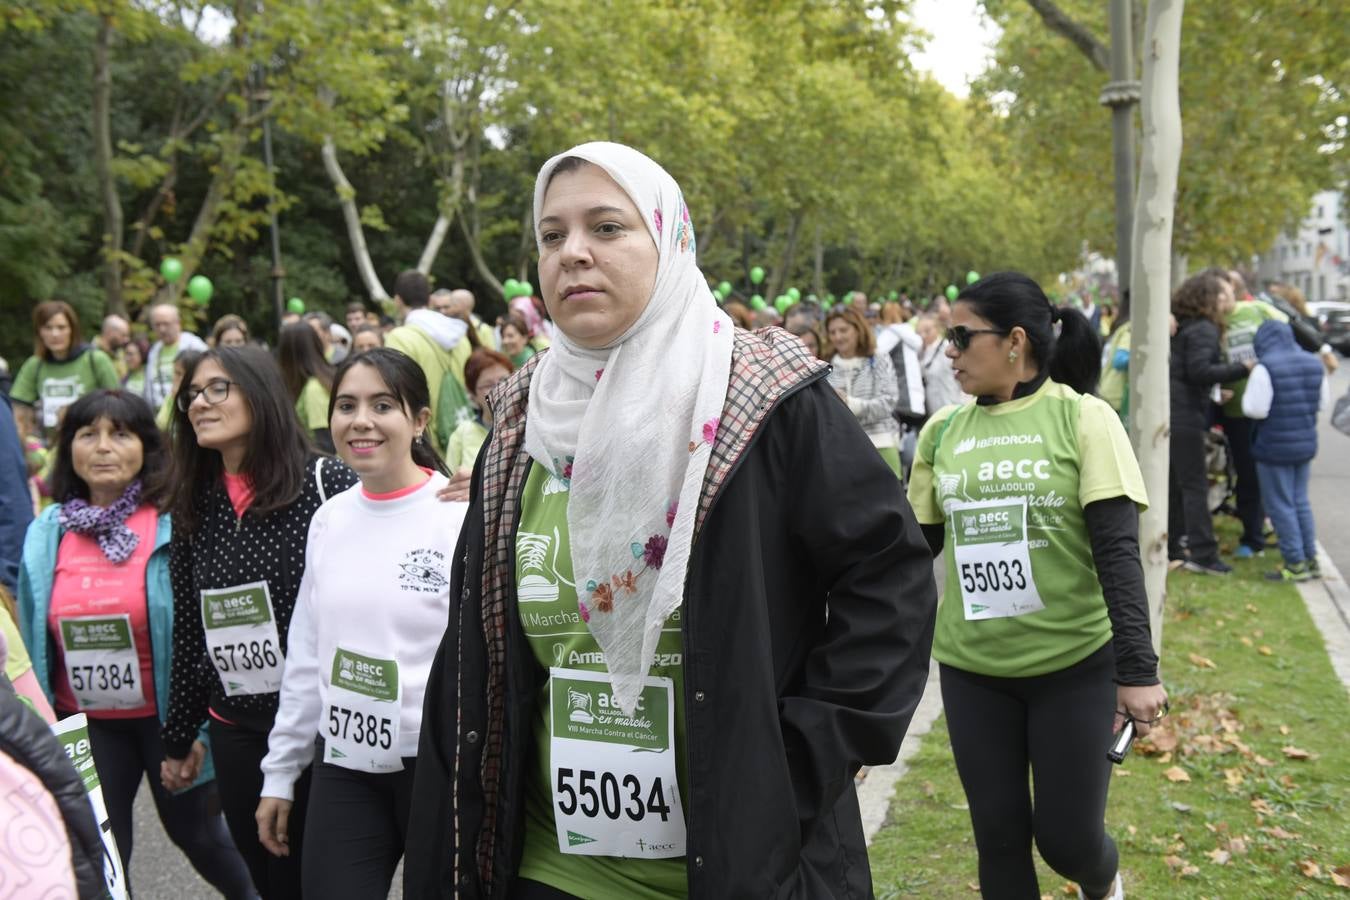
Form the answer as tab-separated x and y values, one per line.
273	816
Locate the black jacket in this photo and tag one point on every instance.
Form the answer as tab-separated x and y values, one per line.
808	620
25	738
1197	365
225	551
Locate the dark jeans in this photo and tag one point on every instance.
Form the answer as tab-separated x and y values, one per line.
1060	725
127	750
1250	510
1285	489
238	753
1188	498
356	829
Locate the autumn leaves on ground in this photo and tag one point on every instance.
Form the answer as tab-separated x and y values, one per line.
1240	794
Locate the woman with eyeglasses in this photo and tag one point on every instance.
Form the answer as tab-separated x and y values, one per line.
865	379
1032	492
248	484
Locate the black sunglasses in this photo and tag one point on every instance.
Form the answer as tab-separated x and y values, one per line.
960	335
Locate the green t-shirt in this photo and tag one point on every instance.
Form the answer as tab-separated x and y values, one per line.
435	363
461	450
312	405
558	637
1240	343
50	386
1061	451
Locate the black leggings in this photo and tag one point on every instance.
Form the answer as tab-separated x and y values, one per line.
1188	505
238	753
1251	512
127	750
1060	723
356	831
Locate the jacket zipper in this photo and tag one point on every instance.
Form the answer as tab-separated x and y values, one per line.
688	619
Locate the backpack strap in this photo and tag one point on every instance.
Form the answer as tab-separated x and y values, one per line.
318	480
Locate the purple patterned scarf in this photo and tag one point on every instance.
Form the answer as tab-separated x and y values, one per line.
107	523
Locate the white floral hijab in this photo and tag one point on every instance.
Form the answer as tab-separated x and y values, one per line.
630	428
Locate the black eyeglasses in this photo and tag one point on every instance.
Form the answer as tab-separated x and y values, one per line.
216	391
960	335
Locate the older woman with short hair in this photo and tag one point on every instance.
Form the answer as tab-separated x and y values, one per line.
598	696
106	652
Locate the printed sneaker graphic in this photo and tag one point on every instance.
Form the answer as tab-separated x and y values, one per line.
579	704
540	583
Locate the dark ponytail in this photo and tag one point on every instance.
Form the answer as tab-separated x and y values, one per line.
405	380
1011	299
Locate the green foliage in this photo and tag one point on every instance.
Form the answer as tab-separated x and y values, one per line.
797	129
1264	93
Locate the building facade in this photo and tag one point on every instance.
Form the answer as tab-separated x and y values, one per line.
1315	258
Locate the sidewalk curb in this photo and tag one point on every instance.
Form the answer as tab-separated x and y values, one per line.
1328	602
874	794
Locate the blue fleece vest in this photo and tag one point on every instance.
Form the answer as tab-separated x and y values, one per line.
1288	436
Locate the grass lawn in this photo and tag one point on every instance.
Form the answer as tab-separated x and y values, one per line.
1242	793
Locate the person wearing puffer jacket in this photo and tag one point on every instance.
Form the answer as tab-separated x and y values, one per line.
43	800
1286	391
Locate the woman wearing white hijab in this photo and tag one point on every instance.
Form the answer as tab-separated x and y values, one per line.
640	692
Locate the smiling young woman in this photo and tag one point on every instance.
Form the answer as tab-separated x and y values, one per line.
356	670
248	483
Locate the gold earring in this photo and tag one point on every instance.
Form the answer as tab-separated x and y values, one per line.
1012	356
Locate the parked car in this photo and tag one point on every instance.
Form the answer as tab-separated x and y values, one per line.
1333	317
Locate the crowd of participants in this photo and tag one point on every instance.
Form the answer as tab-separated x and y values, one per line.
547	625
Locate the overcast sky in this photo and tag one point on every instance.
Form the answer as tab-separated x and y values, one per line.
962	39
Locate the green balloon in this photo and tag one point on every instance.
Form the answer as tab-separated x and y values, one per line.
724	288
972	276
794	294
757	274
757	302
952	292
526	289
829	299
295	305
171	269
895	295
782	302
200	289
510	287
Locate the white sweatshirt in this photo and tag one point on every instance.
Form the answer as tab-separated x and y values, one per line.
377	582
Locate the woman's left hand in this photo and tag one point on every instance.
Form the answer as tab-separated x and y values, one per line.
1145	704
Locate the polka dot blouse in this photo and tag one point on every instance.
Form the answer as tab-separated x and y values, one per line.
224	552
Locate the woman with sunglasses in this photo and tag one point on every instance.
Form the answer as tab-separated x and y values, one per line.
865	378
1043	632
248	484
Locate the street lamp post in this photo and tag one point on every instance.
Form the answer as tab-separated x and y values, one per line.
1121	94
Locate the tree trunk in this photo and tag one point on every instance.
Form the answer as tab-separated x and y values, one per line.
480	264
1151	289
818	273
433	247
112	203
778	280
352	216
